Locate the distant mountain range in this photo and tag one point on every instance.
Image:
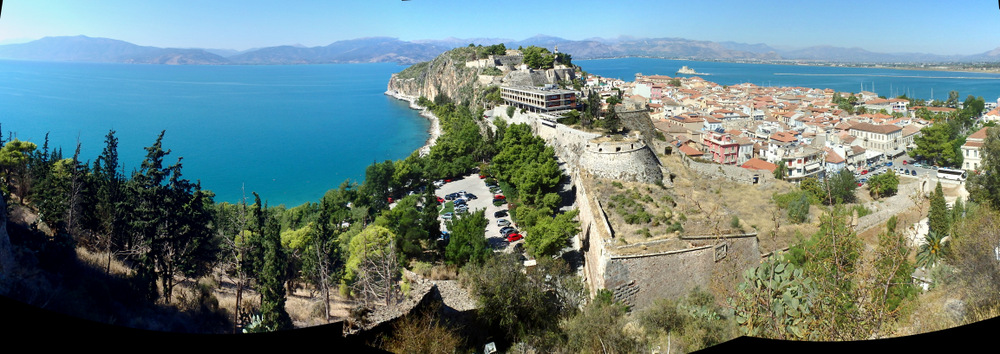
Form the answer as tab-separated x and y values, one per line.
384	49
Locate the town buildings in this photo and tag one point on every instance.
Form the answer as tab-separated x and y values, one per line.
972	157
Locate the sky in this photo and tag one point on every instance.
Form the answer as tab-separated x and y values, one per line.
887	26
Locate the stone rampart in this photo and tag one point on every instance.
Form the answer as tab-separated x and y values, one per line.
627	160
730	172
639	280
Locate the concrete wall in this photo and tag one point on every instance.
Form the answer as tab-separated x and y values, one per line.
639	280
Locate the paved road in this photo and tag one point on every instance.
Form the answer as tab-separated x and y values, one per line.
473	184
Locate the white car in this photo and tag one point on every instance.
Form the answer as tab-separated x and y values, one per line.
503	222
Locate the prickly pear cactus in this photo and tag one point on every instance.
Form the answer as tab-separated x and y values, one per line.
774	301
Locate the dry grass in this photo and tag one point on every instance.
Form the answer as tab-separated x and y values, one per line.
928	313
99	260
435	271
707	206
304	305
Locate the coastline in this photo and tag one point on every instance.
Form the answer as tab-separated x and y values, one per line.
434	130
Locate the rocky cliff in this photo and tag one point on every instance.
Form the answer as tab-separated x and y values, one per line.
445	74
461	74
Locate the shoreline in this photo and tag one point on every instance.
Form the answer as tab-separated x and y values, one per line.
435	128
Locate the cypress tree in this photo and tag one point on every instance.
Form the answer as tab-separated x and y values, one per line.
938	220
272	275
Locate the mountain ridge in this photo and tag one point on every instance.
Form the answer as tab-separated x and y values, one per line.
389	49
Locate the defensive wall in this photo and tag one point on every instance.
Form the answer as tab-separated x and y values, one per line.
624	160
635	277
733	173
638	280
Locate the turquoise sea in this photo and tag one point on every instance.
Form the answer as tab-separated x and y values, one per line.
288	132
291	132
885	82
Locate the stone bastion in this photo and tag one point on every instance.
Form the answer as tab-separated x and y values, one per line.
628	159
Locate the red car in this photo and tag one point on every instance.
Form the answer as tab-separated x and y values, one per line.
514	237
864	172
499	196
440	200
482	176
904	162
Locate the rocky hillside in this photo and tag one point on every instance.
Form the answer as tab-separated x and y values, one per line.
445	74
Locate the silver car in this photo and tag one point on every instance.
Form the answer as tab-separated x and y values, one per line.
503	222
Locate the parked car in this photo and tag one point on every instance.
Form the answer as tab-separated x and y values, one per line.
447	216
514	237
500	214
499	196
460	201
470	196
507	230
904	162
864	172
913	172
440	200
438	183
503	222
888	163
462	209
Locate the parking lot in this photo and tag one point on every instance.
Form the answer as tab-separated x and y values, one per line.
484	200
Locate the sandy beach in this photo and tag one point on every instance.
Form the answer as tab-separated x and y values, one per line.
435	129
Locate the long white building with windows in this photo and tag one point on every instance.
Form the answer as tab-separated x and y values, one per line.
539	99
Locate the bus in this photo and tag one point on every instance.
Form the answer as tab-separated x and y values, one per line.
947	173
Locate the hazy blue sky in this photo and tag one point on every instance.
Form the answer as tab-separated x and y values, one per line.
939	27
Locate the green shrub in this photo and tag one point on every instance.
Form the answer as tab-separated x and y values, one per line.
798	211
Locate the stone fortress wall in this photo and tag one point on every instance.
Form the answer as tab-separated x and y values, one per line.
733	173
638	280
625	160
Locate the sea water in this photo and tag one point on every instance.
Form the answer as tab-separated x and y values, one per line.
287	132
925	84
292	132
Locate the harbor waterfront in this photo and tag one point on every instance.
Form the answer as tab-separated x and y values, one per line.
886	82
291	132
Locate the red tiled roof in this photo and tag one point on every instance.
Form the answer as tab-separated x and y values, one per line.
758	164
690	151
981	134
881	129
833	156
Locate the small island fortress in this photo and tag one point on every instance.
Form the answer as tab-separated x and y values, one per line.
684	70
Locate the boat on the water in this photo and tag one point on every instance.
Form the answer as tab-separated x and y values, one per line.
688	71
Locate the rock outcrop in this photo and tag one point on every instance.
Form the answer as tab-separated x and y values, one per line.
447	74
